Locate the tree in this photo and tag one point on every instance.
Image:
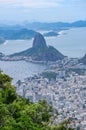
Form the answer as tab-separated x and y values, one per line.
5	80
17	113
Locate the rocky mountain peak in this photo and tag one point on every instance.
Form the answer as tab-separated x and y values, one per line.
39	41
40	51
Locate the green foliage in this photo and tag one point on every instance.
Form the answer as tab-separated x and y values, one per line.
79	71
58	127
50	75
17	113
5	80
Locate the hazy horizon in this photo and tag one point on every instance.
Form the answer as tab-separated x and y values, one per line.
18	11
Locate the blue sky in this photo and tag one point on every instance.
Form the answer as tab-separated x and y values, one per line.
42	10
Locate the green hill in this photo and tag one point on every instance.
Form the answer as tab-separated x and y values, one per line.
16	34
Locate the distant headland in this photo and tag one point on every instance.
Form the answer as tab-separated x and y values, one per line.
39	51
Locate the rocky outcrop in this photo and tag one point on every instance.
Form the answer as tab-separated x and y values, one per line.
40	51
39	41
83	59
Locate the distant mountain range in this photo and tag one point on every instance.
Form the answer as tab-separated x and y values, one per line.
26	30
54	25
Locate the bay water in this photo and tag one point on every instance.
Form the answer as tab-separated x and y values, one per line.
71	43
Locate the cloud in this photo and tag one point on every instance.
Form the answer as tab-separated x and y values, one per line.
7	1
40	4
31	3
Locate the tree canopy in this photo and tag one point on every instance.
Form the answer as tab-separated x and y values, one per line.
17	113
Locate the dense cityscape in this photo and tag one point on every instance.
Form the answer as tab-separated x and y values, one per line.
63	85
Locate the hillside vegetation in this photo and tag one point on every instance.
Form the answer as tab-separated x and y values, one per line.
17	113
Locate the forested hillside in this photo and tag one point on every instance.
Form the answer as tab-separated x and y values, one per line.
17	113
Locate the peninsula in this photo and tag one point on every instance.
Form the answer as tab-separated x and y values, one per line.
39	51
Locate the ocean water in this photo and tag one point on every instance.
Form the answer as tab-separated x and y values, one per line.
71	43
19	70
13	46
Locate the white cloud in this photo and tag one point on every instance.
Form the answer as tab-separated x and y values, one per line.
31	3
8	1
40	4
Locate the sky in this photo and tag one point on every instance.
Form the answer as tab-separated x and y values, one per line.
42	10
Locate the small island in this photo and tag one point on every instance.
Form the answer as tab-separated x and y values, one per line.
51	34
